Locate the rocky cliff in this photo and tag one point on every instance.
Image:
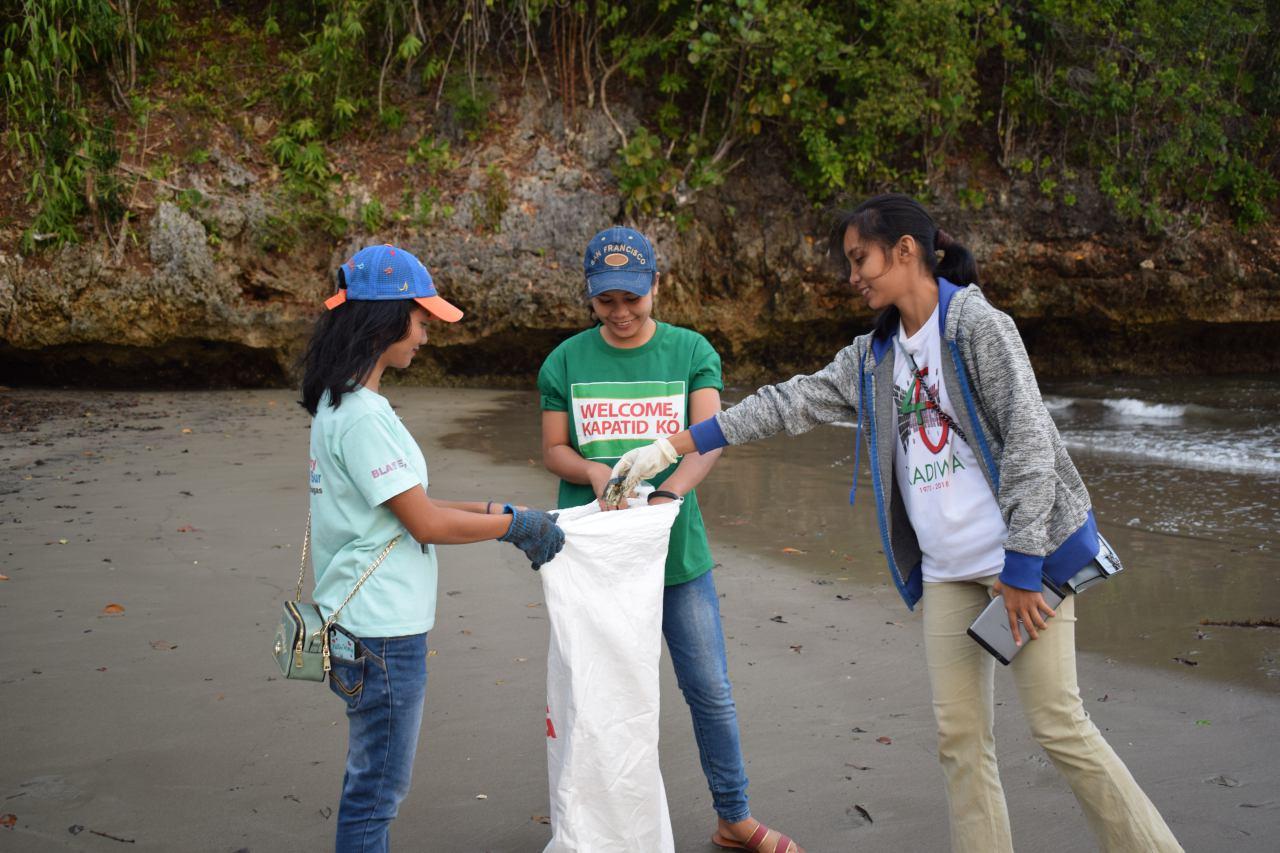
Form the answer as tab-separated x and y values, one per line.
210	296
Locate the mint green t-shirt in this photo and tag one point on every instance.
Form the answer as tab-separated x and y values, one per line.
619	399
361	455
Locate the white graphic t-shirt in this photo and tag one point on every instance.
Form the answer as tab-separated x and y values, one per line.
951	507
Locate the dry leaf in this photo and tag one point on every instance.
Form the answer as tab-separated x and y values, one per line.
797	649
793	551
534	604
432	652
500	681
162	645
884	739
482	796
521	660
187	528
113	610
4	577
186	430
102	669
62	541
540	818
8	821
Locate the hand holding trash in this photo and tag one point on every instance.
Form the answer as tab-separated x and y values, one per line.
535	533
643	463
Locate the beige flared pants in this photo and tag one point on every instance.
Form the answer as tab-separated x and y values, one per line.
962	676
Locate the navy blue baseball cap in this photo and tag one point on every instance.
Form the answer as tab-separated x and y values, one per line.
619	258
387	272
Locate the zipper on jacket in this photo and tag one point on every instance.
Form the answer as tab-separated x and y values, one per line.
876	485
966	392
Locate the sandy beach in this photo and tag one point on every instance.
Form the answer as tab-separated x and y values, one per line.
167	726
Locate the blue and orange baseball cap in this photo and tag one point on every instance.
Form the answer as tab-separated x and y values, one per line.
388	272
619	258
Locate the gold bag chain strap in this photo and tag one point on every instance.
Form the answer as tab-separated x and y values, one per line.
302	573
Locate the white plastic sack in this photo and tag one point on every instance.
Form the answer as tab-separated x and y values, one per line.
604	600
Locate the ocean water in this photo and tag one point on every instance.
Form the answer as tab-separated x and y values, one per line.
1188	457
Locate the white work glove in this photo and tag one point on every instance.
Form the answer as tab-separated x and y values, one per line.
644	462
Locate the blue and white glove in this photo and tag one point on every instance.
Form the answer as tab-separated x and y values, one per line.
535	533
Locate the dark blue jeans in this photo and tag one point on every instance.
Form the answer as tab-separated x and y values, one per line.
384	690
691	626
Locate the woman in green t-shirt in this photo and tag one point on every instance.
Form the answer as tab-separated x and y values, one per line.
621	385
368	485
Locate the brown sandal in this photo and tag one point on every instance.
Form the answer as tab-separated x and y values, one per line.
754	844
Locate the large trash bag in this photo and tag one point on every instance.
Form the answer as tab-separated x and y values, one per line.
604	600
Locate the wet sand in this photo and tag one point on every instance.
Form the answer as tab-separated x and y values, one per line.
167	727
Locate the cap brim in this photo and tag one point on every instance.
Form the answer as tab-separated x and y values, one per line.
439	308
639	283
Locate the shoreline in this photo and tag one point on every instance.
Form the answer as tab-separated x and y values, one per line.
169	725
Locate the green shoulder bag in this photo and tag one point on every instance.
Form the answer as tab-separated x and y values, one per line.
302	638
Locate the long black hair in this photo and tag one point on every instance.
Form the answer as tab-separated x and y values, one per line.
884	219
346	344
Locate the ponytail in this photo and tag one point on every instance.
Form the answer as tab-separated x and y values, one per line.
957	264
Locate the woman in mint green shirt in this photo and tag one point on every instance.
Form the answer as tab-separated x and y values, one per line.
621	385
368	484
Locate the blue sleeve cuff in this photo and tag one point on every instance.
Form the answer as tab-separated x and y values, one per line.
707	435
1024	571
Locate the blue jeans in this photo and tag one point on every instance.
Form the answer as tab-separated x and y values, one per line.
384	690
691	626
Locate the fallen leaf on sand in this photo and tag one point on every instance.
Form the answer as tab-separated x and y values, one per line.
1203	723
500	681
540	818
187	528
521	660
1187	661
797	649
534	604
4	577
162	645
778	619
8	821
113	610
793	551
844	597
432	652
102	669
860	810
482	796
884	739
62	541
186	430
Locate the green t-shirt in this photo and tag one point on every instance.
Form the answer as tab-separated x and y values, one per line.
361	455
619	399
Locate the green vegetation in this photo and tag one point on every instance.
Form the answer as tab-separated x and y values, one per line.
1170	109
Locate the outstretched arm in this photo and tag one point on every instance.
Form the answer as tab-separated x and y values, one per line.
445	522
694	467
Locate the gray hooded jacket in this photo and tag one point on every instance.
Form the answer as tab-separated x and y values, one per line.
1044	503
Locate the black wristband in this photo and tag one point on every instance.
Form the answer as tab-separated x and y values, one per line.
662	493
